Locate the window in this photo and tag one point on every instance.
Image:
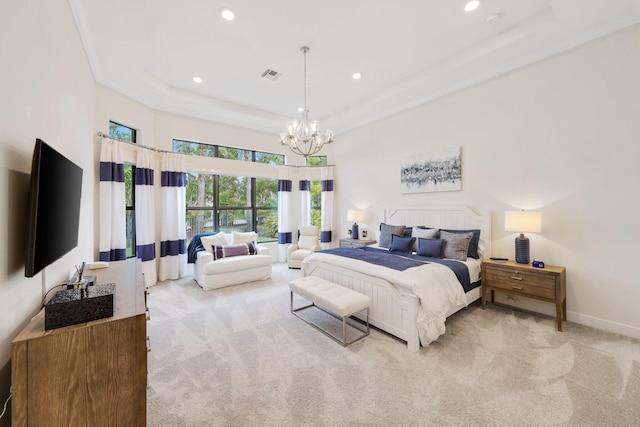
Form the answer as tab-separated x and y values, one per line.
316	161
231	203
122	132
316	201
316	189
200	212
223	152
128	134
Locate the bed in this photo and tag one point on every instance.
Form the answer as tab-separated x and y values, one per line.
401	300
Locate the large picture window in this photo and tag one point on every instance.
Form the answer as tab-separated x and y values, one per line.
227	202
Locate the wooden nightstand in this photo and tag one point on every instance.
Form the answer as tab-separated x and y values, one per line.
355	243
544	284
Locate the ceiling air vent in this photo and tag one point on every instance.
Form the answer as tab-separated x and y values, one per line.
271	74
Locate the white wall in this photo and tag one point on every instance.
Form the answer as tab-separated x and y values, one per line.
559	136
47	92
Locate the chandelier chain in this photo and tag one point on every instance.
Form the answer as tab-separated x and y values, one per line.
305	50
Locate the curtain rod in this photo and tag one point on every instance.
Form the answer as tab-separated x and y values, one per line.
157	150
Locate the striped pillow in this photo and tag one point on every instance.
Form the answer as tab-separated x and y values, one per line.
226	251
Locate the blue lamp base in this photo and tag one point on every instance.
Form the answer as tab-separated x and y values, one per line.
354	231
522	249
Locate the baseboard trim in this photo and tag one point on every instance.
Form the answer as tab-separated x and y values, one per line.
605	325
572	316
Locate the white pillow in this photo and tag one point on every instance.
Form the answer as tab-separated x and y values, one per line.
423	233
306	242
250	236
217	239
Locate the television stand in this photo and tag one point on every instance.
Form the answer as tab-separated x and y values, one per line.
92	373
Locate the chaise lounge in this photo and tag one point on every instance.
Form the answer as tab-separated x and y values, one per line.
224	259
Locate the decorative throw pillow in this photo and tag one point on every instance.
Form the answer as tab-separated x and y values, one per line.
250	236
472	252
423	233
217	239
386	231
456	244
433	248
401	243
226	251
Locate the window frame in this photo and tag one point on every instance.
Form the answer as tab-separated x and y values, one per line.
130	209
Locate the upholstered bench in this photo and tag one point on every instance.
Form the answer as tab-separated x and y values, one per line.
333	299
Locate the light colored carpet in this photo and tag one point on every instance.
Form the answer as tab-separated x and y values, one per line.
237	357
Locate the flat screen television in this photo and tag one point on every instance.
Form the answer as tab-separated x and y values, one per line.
54	207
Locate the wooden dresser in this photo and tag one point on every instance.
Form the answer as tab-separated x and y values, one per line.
544	284
89	374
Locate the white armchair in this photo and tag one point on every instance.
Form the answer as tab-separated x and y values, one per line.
307	244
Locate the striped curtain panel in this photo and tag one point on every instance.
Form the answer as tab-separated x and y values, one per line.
173	251
285	226
326	208
113	239
145	216
304	186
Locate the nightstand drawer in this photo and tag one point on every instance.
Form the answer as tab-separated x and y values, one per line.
522	284
517	277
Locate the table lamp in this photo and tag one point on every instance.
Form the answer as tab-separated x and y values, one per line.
522	221
355	216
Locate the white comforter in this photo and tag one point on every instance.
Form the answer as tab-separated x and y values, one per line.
435	285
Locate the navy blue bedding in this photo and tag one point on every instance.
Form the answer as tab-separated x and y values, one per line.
403	260
378	257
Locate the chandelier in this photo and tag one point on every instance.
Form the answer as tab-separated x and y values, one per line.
302	136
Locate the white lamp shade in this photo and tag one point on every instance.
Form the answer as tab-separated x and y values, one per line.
521	221
354	215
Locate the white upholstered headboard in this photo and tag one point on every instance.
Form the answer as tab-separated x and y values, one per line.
453	217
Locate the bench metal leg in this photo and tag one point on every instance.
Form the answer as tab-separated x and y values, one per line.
365	332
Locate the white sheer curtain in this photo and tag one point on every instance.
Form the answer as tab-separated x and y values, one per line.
285	223
326	208
145	216
173	251
304	186
113	232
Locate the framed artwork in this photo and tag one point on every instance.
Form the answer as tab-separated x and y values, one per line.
364	234
430	172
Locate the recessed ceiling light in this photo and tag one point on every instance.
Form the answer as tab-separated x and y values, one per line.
300	109
227	14
197	79
471	6
356	76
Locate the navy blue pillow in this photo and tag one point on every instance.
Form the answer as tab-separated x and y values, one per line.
401	244
472	252
433	248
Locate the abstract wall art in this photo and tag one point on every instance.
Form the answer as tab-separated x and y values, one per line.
436	171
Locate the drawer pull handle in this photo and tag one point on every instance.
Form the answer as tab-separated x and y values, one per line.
517	287
148	344
516	278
